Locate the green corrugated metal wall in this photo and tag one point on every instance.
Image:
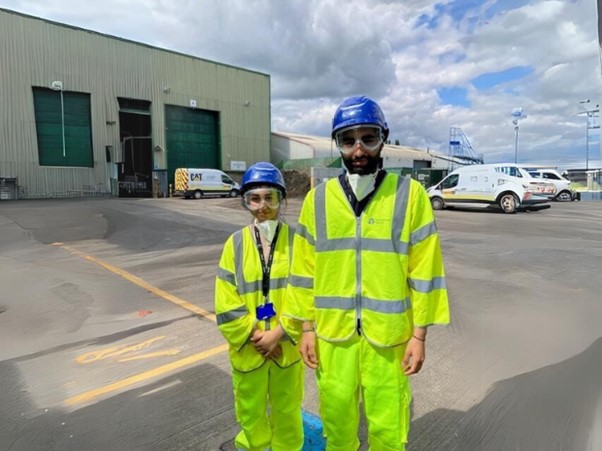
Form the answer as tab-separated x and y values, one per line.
78	133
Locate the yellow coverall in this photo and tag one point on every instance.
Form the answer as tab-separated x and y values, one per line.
256	380
366	282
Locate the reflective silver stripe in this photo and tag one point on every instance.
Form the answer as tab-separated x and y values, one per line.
328	302
277	283
422	233
291	236
358	275
238	263
226	276
252	287
375	305
304	233
301	282
231	315
386	306
426	286
320	214
335	244
368	244
400	211
249	287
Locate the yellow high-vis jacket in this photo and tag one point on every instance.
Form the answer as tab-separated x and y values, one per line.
379	274
238	292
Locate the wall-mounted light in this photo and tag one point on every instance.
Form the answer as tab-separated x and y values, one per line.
166	89
192	103
247	103
58	86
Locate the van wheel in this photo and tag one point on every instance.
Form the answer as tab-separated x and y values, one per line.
234	193
508	203
437	203
198	194
564	196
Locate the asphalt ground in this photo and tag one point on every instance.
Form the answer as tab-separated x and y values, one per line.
108	339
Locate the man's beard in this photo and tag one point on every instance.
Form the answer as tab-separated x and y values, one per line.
371	166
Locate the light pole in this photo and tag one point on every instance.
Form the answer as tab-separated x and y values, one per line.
517	113
588	113
515	122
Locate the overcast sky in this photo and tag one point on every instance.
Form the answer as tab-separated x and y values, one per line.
465	64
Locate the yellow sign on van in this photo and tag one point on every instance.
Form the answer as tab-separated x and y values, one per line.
201	182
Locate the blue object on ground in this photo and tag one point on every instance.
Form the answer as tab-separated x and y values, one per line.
312	428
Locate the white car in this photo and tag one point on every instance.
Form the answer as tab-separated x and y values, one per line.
563	193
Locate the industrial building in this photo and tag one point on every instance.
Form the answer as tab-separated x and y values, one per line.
296	151
85	113
294	146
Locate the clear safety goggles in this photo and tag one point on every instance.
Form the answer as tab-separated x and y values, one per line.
255	199
367	136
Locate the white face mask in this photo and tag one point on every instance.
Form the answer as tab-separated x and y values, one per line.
267	228
361	185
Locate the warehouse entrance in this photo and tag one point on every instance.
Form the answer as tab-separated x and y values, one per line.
192	137
136	163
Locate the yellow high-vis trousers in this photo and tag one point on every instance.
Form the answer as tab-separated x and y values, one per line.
282	430
348	369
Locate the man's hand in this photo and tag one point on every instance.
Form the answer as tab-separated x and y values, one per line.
308	349
414	356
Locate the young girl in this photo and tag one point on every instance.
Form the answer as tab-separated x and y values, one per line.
249	292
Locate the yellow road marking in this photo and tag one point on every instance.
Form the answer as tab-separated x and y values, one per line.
142	283
151	355
92	394
117	351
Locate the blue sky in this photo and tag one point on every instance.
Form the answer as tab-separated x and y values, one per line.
433	65
457	96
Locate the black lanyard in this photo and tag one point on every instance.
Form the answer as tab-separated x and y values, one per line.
266	267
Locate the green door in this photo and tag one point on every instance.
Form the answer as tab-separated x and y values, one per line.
192	137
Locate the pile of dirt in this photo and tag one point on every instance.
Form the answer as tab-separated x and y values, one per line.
297	183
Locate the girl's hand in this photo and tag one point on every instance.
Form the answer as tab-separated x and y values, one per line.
265	342
276	353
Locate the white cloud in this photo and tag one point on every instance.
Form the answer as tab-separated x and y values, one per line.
319	51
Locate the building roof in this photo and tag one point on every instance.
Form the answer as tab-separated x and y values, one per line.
324	147
143	44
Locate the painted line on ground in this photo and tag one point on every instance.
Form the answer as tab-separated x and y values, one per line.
116	351
150	374
91	395
142	283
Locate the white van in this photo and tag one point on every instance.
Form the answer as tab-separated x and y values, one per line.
201	182
563	193
489	185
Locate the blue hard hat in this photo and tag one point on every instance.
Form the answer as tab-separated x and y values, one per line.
359	110
263	173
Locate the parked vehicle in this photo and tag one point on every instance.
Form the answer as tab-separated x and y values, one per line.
563	193
201	182
490	186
